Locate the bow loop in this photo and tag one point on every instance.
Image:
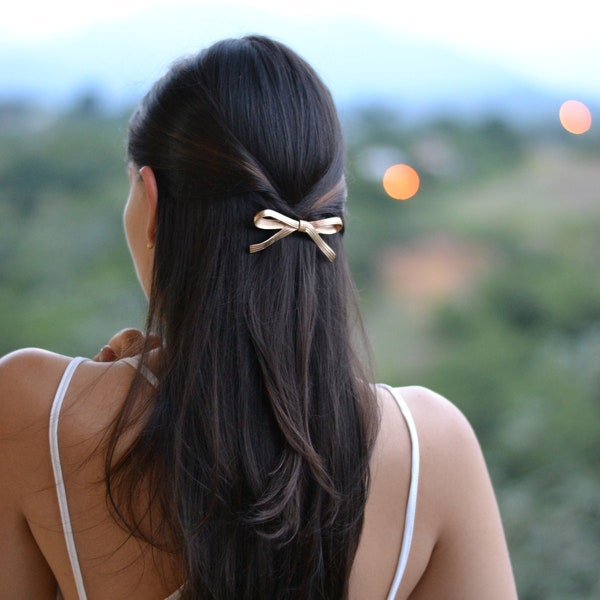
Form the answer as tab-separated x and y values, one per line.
271	219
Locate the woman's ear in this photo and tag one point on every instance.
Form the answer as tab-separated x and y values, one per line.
151	189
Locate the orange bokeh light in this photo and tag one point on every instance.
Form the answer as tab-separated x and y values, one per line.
575	117
401	182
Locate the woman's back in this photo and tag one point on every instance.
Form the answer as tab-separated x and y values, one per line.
458	549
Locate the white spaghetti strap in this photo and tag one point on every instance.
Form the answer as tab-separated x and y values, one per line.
176	594
411	507
58	475
134	361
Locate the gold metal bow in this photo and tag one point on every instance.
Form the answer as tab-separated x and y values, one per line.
271	219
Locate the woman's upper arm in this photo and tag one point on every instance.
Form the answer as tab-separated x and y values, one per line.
26	380
470	559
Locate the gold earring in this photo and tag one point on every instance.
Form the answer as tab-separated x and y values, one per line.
149	245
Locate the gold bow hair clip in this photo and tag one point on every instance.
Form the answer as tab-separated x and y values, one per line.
271	219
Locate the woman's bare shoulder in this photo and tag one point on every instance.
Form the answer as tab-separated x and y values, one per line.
457	504
437	410
28	380
446	440
449	449
439	427
27	361
442	429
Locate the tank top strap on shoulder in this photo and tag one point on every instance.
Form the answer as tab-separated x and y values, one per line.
176	594
411	507
134	361
61	493
58	474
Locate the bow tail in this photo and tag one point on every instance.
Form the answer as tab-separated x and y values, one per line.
325	248
283	232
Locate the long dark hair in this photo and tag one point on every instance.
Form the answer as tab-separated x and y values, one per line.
255	450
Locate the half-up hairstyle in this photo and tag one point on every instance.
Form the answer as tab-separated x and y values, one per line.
255	449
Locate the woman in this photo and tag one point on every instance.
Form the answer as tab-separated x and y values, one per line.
244	456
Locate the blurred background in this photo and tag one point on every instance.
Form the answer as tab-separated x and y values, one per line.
473	222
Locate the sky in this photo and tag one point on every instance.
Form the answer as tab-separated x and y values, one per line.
547	41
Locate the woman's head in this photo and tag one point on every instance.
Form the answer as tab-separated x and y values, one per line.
243	126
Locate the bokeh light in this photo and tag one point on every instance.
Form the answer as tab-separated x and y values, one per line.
401	182
575	117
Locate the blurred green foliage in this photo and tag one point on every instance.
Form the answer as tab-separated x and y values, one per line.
509	329
65	274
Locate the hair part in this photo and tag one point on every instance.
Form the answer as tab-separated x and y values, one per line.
256	445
